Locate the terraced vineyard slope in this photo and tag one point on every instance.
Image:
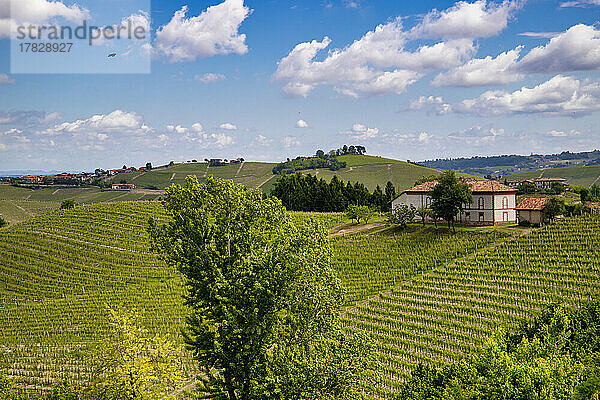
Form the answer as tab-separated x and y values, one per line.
445	313
585	176
60	272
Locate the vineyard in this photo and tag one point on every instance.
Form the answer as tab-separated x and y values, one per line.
441	315
375	261
437	296
59	273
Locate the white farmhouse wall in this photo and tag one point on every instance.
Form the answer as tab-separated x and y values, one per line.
504	206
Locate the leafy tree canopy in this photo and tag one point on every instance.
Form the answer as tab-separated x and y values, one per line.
448	197
264	320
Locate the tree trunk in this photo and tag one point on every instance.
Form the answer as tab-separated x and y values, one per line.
453	228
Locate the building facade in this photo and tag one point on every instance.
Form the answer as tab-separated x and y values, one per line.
493	202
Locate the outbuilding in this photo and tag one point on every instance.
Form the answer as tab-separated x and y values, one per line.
531	209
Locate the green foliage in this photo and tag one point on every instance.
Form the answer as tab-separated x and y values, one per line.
300	192
358	213
553	208
6	388
132	364
526	188
303	163
65	391
264	302
67	204
555	356
448	196
402	215
557	188
423	213
3	222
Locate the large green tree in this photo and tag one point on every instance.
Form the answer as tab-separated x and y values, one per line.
448	197
264	320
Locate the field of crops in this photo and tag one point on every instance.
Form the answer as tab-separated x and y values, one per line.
443	314
374	261
59	272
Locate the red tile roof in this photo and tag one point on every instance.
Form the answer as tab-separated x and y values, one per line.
477	186
532	203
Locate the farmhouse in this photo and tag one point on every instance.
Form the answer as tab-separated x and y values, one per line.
493	202
531	209
546	183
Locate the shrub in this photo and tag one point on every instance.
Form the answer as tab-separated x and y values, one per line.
67	204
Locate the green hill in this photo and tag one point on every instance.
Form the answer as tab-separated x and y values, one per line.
585	176
437	296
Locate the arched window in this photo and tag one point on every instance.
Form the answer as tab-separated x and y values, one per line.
481	203
505	202
428	202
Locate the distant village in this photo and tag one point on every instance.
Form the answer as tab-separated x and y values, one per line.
97	178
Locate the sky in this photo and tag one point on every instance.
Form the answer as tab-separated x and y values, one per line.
267	80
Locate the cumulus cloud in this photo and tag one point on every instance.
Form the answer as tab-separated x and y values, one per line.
12	131
561	95
483	71
213	32
228	126
209	77
117	121
431	102
197	127
177	129
362	132
290	141
27	118
467	20
36	11
301	124
477	135
577	49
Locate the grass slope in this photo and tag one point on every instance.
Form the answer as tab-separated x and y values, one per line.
574	175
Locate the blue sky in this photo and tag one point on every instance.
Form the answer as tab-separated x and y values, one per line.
266	80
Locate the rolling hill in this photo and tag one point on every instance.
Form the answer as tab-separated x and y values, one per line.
586	176
425	296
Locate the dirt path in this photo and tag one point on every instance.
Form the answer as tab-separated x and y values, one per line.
172	176
206	170
22	209
597	179
239	169
147	191
351	227
137	176
190	384
265	181
56	191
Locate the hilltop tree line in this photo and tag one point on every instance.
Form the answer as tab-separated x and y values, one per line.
319	160
300	192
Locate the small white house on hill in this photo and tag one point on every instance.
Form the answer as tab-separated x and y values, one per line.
493	202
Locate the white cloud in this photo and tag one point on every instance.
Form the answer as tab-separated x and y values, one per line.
6	80
213	32
197	127
360	131
467	20
544	35
561	95
261	140
301	124
580	3
431	102
36	11
375	64
483	71
209	77
12	131
177	129
563	134
116	122
477	135
221	140
290	141
228	126
577	49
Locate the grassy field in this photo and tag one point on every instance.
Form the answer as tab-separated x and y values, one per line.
574	175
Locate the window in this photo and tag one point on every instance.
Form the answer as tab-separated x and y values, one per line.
428	202
468	216
505	216
505	202
481	217
481	203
